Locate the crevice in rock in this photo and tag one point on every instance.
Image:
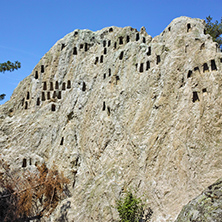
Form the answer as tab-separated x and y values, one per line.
22	101
101	59
202	46
86	47
158	59
141	67
108	110
205	67
75	51
147	65
117	79
144	40
121	56
195	97
127	39
196	69
27	96
63	86
53	107
188	27
137	36
59	95
61	142
63	46
48	95
96	60
204	90
104	106
189	74
54	95
44	86
149	51
213	65
38	101
24	162
56	85
43	96
120	40
42	68
68	84
51	86
70	115
36	75
83	86
115	45
26	105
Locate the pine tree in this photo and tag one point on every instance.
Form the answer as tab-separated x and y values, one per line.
214	29
8	66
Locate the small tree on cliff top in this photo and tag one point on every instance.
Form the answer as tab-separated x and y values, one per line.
214	29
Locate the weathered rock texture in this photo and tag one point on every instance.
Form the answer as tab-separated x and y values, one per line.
206	207
116	109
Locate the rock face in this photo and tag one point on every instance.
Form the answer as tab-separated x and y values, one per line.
117	109
206	207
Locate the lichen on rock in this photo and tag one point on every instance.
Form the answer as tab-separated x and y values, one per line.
205	207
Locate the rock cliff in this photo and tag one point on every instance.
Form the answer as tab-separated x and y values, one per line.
117	109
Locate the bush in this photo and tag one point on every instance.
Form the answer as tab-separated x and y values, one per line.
31	195
131	209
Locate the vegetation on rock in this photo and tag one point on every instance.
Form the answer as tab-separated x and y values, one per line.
29	195
131	209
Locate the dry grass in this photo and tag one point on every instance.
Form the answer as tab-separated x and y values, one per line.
31	194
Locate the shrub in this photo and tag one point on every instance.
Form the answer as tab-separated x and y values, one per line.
131	209
31	195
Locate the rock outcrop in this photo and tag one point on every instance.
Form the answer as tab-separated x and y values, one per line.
117	109
206	207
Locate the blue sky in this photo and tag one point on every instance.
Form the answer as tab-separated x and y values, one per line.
29	28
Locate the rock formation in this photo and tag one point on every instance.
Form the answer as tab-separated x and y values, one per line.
206	207
117	109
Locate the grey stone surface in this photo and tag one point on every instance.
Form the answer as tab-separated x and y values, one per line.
118	109
206	207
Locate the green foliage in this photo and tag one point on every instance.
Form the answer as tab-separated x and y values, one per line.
214	29
2	96
131	209
9	66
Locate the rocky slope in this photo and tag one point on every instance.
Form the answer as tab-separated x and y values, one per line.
117	109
